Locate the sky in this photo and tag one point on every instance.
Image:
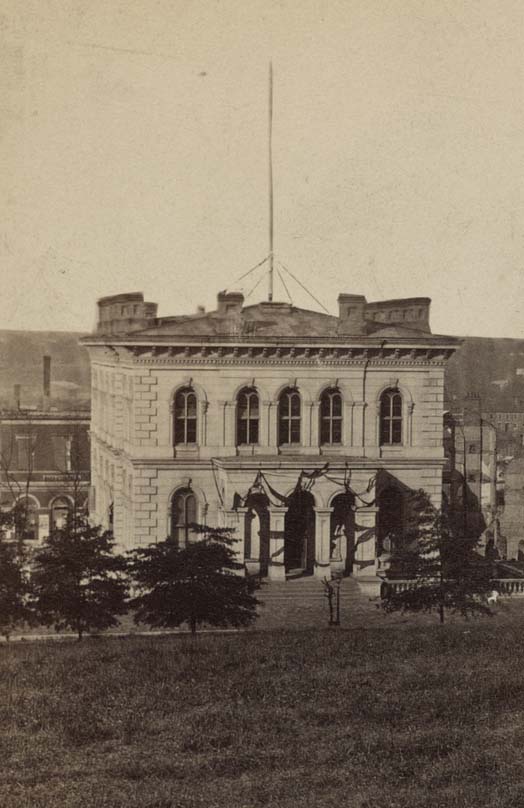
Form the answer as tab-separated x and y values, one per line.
134	141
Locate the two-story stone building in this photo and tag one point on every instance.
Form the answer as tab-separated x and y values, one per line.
300	430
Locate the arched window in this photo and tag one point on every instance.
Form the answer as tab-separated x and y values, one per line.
247	416
183	514
331	417
59	512
185	417
390	417
289	417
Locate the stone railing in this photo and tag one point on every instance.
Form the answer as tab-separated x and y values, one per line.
504	586
509	586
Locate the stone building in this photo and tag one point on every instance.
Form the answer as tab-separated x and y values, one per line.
512	519
302	431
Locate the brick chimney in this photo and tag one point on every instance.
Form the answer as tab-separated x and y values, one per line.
351	311
230	303
47	382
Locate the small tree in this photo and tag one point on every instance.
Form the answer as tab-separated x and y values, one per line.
78	581
444	570
194	585
332	593
15	610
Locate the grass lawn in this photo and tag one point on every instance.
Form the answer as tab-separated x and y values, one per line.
415	716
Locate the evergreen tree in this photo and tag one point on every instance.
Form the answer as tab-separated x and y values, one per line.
445	571
195	584
15	609
78	581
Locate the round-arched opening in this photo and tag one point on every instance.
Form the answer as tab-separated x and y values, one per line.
299	533
390	504
257	531
342	531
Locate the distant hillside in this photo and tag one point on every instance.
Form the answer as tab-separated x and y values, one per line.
21	361
489	366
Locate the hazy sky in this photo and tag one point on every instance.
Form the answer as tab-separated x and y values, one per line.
134	154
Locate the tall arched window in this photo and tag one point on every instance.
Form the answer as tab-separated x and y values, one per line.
247	416
183	514
390	417
185	417
331	417
289	417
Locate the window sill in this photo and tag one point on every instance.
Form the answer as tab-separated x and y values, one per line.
391	451
186	450
332	449
247	449
290	448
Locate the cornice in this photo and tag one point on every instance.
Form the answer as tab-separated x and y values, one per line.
227	355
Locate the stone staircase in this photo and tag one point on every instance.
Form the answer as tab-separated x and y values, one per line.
301	603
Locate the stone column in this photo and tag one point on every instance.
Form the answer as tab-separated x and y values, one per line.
235	520
322	542
365	563
276	570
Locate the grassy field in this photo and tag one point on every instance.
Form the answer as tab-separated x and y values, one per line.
401	718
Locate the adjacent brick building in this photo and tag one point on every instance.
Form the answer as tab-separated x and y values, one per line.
44	456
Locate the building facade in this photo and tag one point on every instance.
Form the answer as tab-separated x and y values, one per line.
301	431
471	473
44	457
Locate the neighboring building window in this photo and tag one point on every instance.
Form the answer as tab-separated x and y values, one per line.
331	417
247	416
472	449
59	513
26	522
25	452
289	417
185	416
183	514
390	417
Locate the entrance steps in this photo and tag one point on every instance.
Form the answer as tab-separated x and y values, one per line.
302	603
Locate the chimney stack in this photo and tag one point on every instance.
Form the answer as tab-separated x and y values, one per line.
351	314
17	396
47	381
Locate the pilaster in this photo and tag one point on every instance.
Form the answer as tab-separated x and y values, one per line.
276	570
322	542
234	519
314	420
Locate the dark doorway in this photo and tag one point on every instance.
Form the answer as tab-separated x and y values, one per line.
390	503
299	532
342	533
257	531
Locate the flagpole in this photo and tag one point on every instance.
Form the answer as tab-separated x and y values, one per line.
270	294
